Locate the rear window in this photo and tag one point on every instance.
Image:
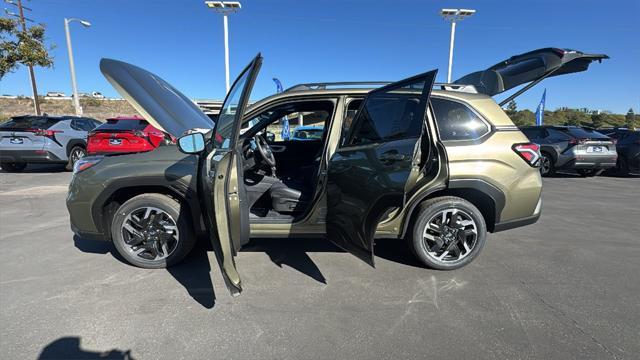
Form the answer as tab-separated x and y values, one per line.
29	122
581	133
122	125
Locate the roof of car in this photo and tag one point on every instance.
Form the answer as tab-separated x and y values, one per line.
463	96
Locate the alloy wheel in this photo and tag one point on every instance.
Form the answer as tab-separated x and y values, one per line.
450	235
545	165
77	154
150	233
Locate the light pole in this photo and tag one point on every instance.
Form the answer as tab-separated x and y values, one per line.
454	15
74	87
225	8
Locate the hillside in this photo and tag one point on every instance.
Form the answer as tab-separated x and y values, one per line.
95	108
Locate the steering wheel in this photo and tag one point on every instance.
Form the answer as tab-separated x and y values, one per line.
265	152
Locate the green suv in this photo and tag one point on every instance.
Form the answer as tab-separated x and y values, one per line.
439	165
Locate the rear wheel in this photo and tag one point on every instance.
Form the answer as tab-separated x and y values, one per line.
13	167
448	233
76	153
152	231
547	165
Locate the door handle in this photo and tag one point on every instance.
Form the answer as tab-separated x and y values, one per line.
391	157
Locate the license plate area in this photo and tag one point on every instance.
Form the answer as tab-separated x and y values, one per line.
16	141
595	149
115	141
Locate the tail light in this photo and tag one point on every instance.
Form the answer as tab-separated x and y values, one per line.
85	163
529	152
51	134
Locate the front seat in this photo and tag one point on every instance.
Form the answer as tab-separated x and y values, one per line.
286	199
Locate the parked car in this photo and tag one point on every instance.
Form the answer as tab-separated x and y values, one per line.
126	134
306	133
586	151
43	139
97	95
55	94
438	168
628	147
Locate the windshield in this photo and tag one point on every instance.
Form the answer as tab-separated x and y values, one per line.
123	125
226	118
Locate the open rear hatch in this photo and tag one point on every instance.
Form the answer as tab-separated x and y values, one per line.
528	68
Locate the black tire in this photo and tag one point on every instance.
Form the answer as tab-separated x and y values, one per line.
185	239
547	165
77	152
589	172
13	167
432	208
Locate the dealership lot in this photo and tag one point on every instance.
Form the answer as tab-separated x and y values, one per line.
566	287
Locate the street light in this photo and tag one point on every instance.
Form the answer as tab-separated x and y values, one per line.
76	99
454	15
225	8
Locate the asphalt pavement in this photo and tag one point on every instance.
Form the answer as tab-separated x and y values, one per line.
564	288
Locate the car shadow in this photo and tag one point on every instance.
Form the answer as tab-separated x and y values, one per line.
69	348
193	273
38	168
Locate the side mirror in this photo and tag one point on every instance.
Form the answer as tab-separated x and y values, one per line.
270	137
191	143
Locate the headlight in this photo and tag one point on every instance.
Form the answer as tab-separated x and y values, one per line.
85	163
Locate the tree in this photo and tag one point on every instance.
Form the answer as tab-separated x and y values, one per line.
630	119
22	48
597	119
512	108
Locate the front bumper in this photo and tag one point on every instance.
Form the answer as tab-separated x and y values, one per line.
29	156
79	201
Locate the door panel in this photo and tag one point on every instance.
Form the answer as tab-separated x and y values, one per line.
230	211
367	176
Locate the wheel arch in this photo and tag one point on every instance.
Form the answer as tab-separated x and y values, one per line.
487	198
74	142
114	196
551	152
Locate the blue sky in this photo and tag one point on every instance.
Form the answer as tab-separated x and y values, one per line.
347	40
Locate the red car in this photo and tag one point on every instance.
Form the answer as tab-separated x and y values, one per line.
126	134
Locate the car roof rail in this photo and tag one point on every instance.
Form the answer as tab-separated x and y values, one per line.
348	84
335	85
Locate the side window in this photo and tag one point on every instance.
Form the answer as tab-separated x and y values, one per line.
392	115
75	125
532	133
456	121
300	125
85	124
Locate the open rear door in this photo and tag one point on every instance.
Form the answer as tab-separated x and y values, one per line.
528	68
227	207
368	175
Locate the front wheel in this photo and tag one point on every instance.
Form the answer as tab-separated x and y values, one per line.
448	233
152	231
13	167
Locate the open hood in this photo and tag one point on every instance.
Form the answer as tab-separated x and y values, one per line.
531	67
160	103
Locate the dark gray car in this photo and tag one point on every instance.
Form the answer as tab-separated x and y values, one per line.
572	148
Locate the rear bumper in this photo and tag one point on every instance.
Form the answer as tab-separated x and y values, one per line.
29	156
515	223
591	162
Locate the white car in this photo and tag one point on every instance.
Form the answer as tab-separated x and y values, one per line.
55	94
97	95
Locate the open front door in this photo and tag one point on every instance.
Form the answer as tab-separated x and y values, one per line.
368	175
227	205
